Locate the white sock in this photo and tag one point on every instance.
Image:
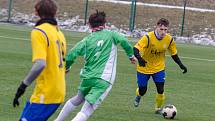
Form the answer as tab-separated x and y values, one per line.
67	108
80	117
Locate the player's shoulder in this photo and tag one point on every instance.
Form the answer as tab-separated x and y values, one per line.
47	29
169	38
43	27
150	33
107	31
39	28
169	35
147	35
110	31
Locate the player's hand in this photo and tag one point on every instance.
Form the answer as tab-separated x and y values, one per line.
15	102
142	62
20	91
184	68
133	60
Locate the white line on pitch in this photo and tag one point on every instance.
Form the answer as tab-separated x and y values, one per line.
191	58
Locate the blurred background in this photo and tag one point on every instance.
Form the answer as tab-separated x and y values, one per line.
193	19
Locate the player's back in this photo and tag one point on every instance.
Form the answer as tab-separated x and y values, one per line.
50	85
100	55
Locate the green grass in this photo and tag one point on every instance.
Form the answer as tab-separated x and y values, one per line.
192	93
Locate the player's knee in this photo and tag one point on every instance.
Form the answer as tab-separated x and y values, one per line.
142	90
77	100
160	87
160	91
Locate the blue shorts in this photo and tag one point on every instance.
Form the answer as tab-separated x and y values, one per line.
142	79
38	112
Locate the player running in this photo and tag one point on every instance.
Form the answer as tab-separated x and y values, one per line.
98	74
150	52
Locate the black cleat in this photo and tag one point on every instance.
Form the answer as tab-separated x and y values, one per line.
137	101
158	111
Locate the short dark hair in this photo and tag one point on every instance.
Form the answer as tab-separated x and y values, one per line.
46	8
97	19
163	21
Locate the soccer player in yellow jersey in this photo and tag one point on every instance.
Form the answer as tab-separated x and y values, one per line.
48	57
150	51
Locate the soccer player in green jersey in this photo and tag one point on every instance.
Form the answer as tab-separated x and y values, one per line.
150	51
98	74
48	56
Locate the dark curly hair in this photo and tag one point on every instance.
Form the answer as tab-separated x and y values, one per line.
97	19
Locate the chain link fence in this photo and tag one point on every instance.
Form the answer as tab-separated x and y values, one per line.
197	22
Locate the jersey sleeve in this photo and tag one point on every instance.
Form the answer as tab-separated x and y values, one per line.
39	45
142	43
172	48
123	41
77	50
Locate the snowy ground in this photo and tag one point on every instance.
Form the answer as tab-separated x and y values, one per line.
76	24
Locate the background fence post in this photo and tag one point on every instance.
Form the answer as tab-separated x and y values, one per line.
132	15
10	5
85	12
182	26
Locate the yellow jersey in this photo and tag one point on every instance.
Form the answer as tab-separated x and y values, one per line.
153	51
49	44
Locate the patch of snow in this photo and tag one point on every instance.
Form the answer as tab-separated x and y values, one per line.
77	24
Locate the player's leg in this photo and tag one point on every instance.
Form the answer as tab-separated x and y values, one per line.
159	79
86	111
70	105
93	99
142	81
27	105
160	97
38	112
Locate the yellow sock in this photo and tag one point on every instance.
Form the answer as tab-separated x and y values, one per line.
159	100
137	92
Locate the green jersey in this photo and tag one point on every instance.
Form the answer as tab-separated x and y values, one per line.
100	53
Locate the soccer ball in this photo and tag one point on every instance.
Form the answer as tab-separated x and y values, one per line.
169	111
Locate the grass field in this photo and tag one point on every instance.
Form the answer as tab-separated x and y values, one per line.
192	93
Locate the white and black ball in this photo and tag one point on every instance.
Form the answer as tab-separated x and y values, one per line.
169	111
